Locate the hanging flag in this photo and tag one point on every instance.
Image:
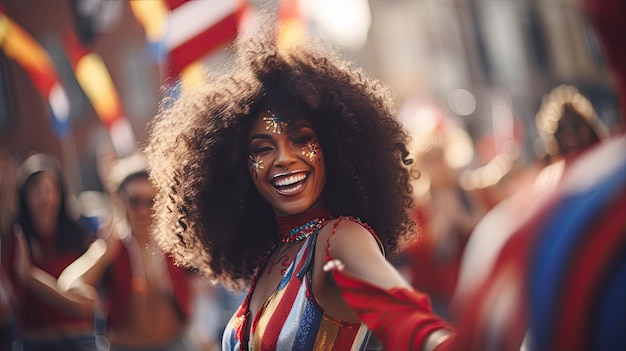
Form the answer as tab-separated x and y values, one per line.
180	33
291	23
95	80
20	46
153	16
198	28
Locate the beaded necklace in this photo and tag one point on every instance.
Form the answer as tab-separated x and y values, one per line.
302	232
292	229
297	228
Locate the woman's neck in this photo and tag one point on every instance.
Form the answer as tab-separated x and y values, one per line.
45	229
298	227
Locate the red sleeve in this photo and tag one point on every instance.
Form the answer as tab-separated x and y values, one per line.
401	318
118	287
607	17
181	284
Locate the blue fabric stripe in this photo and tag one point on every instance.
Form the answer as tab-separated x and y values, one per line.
365	341
234	344
292	267
557	241
311	320
610	330
283	282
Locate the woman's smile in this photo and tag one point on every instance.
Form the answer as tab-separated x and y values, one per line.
290	184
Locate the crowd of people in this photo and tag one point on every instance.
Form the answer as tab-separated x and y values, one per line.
67	285
290	182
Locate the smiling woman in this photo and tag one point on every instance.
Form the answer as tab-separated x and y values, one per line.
294	177
288	171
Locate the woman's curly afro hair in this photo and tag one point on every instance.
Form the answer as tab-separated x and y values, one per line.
209	215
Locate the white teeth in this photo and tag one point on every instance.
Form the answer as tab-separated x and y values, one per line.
291	190
291	180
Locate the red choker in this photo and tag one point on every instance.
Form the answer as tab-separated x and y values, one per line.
299	227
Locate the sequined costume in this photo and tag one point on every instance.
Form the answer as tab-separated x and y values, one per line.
291	319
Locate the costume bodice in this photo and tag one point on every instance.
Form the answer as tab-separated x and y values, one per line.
291	318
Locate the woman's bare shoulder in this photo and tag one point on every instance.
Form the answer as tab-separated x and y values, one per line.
348	234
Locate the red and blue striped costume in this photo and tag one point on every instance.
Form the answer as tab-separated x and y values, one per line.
560	279
291	319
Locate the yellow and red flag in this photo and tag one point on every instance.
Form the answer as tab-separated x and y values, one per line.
94	78
19	45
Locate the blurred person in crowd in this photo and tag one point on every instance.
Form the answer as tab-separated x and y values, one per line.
290	173
567	123
205	328
558	280
447	214
146	298
213	305
47	239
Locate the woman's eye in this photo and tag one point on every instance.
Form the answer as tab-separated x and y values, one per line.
260	149
302	139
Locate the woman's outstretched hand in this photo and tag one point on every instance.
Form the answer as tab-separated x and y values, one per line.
334	265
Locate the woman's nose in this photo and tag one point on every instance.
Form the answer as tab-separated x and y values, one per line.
285	156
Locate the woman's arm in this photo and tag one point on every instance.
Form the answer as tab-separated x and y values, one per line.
83	275
43	284
399	316
361	255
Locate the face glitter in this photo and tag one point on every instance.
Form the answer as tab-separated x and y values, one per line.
275	124
312	151
255	163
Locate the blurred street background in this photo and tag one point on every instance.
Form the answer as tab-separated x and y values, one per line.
81	79
483	65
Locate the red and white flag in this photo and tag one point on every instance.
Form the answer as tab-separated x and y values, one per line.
198	28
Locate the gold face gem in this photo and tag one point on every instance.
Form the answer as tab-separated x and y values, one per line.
312	152
275	124
255	163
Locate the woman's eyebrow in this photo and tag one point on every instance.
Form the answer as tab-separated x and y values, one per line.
297	127
260	136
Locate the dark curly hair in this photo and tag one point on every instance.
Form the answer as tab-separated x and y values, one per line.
208	213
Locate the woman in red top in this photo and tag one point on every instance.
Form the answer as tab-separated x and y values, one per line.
146	297
47	239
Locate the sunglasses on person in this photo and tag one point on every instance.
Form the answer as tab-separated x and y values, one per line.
140	202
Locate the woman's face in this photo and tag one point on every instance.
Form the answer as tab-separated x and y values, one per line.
573	133
137	195
43	198
286	163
